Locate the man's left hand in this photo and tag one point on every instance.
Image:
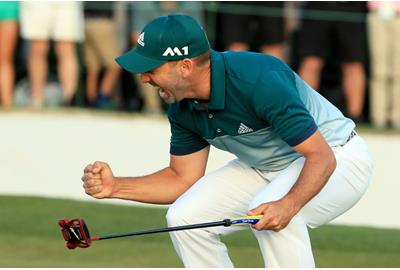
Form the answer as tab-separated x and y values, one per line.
277	215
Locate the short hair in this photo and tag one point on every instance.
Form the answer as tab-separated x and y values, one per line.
202	58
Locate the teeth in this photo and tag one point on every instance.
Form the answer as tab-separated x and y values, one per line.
162	93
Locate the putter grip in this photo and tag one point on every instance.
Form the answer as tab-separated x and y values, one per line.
246	220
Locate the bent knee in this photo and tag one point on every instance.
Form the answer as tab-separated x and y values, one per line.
178	214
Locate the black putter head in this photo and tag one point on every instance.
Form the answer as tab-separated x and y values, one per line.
75	232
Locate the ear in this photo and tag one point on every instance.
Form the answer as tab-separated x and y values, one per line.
186	67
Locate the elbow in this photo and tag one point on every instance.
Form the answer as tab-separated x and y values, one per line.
325	160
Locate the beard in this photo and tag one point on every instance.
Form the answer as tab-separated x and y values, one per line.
167	95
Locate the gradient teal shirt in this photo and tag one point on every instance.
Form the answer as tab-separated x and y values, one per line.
259	109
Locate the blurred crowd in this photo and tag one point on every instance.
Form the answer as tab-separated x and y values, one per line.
62	53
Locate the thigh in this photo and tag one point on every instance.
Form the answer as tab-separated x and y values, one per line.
343	190
345	187
314	39
90	54
35	18
71	26
379	37
271	28
395	39
8	39
234	28
278	183
9	11
352	39
224	193
294	239
105	41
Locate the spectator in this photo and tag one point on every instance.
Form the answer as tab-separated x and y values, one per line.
142	13
384	37
8	40
100	50
318	37
63	23
240	31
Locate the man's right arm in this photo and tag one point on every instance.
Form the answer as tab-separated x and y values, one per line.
161	187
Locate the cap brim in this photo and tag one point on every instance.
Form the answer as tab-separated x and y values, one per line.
134	62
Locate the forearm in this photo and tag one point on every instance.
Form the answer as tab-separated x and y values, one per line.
313	177
319	165
162	187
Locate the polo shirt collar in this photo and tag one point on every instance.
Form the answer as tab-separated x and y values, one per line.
217	95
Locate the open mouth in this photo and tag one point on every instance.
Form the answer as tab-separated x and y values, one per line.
163	93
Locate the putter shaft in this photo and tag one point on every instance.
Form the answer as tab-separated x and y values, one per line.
225	223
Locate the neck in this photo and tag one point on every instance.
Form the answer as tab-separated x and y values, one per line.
202	84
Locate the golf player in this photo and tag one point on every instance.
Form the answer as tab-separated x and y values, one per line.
299	161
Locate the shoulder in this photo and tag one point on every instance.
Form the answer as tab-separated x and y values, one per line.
251	60
250	66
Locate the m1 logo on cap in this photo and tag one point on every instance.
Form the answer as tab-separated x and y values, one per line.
176	51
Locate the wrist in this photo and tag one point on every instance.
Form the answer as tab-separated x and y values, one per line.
292	204
114	188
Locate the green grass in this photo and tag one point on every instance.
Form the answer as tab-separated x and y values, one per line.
30	237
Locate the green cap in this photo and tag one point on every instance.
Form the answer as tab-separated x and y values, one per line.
165	38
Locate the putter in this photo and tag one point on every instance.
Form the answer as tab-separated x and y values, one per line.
76	233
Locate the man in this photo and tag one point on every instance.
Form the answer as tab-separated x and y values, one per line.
9	12
141	13
318	38
62	22
299	161
100	46
264	32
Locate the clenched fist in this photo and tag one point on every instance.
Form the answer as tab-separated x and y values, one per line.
98	180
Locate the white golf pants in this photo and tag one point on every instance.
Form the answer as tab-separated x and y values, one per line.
236	188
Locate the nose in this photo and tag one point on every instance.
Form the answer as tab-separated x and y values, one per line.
145	77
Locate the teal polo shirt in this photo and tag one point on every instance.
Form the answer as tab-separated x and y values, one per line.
258	110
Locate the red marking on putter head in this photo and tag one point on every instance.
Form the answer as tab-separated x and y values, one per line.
75	232
71	245
95	238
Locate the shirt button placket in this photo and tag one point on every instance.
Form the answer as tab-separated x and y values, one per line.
210	116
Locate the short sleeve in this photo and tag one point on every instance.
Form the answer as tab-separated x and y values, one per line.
277	101
183	141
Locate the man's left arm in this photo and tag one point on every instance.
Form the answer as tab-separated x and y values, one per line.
319	164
